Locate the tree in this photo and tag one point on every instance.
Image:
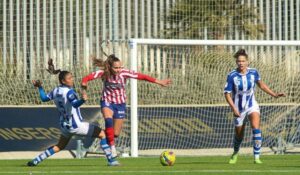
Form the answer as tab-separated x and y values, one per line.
189	19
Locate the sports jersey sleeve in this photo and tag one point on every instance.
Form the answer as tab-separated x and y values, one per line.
139	76
145	77
72	98
45	97
229	85
256	76
92	76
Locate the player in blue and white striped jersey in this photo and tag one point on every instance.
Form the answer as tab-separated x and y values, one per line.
71	123
239	93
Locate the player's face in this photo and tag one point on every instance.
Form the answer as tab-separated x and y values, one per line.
116	67
242	63
69	80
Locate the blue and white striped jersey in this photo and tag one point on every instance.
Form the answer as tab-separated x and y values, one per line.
67	103
242	87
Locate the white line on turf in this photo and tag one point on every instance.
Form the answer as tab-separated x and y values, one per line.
155	172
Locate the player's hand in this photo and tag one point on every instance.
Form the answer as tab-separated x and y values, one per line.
164	83
37	83
84	95
236	113
279	95
83	86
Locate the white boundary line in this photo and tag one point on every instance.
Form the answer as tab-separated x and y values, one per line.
153	172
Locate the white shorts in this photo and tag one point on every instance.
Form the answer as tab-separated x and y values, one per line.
84	129
239	121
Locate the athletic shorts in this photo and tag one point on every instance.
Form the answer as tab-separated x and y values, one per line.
84	129
239	121
118	109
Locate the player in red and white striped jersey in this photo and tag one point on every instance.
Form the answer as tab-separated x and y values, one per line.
113	98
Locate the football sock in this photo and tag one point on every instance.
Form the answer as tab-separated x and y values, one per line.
257	139
49	152
237	144
109	131
106	148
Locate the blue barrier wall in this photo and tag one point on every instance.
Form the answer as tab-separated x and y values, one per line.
24	129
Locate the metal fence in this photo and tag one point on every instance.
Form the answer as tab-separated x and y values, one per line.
70	31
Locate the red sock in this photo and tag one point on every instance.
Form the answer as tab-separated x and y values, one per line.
110	136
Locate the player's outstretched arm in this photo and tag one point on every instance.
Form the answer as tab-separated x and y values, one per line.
43	95
148	78
266	89
164	82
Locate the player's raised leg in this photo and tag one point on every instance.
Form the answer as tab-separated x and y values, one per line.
63	141
257	137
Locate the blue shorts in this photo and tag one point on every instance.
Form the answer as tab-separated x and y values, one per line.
119	110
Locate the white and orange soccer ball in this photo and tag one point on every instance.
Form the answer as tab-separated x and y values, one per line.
167	158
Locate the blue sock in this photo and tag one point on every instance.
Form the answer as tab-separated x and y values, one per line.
49	152
106	148
257	140
109	131
109	122
237	144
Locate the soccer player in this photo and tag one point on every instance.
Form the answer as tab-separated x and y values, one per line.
239	93
70	119
113	98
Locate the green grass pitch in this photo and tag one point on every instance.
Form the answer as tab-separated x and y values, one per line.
275	164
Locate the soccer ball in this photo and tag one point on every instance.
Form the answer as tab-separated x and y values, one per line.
167	158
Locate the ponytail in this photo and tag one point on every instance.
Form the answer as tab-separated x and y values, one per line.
106	65
53	71
51	68
98	62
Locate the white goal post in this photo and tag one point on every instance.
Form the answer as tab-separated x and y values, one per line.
134	43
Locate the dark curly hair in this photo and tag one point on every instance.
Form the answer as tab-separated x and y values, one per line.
240	52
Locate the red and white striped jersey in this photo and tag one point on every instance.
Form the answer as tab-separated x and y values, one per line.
114	87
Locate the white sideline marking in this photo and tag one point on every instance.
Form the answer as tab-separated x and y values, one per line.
156	172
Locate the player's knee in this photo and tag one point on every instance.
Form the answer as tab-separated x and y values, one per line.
56	148
102	134
98	133
117	132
